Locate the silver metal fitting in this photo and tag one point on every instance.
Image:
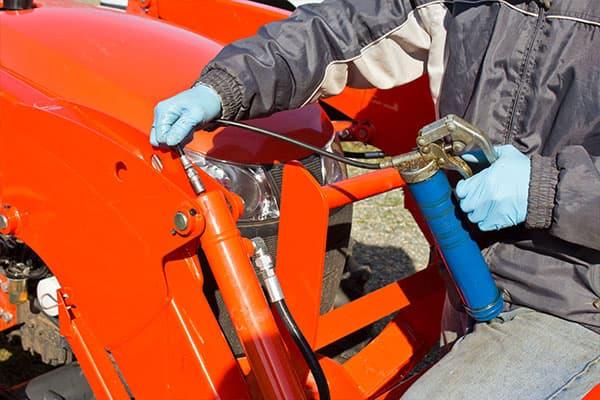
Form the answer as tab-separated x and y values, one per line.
181	221
191	172
5	316
266	270
3	222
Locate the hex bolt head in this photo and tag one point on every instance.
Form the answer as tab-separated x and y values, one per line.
3	222
181	221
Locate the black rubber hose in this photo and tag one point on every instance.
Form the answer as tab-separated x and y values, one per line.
298	143
365	155
304	347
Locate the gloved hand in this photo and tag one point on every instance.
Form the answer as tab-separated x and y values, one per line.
178	116
496	197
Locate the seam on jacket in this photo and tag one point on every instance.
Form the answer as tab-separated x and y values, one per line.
531	14
524	79
502	2
368	46
399	27
575	19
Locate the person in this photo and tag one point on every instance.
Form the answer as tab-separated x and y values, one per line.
528	74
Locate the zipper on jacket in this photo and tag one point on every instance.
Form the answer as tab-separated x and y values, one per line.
538	24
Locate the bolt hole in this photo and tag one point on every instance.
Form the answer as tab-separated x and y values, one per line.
120	171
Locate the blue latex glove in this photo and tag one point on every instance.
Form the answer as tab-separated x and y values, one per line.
496	197
178	116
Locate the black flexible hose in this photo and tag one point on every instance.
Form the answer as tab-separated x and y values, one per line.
365	155
304	347
279	136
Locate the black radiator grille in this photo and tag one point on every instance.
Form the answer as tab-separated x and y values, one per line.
312	163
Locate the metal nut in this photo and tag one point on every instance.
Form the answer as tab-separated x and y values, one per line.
263	262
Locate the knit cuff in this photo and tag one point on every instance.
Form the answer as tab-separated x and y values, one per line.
227	87
542	189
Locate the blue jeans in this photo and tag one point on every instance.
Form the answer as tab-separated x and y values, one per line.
521	355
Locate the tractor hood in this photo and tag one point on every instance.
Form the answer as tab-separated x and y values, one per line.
121	65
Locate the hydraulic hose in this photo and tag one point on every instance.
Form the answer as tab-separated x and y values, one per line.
365	155
305	349
266	273
298	143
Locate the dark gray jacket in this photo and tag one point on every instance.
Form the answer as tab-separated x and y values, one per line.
527	74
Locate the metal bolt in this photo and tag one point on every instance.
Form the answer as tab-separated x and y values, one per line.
596	304
181	221
421	141
3	222
5	316
457	147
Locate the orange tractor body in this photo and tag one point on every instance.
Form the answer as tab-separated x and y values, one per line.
81	186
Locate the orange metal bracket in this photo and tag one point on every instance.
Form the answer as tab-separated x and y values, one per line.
301	246
94	360
382	365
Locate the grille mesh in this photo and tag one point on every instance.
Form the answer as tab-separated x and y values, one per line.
312	163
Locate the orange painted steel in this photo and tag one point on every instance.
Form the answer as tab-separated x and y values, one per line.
305	207
378	304
252	318
300	263
101	375
594	394
96	203
363	186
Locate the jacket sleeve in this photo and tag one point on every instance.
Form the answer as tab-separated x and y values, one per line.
321	48
564	195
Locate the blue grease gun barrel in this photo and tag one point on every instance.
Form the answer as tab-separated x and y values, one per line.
462	256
